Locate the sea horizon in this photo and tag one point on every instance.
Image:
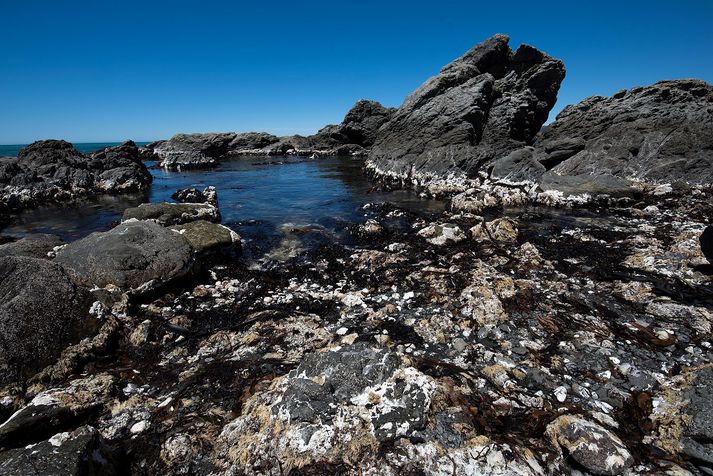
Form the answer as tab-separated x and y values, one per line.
12	150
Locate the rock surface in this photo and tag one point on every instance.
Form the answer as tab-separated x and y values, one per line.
54	171
206	237
41	312
172	213
481	107
185	151
359	127
39	245
192	195
137	255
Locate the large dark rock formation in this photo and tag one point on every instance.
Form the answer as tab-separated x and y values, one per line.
358	127
193	150
41	312
53	170
658	133
482	106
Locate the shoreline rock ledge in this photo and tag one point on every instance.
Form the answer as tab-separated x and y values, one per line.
482	106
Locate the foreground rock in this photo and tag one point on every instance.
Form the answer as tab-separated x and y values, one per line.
35	246
41	312
482	106
54	171
209	238
136	256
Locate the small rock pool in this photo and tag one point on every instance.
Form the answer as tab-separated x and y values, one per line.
259	197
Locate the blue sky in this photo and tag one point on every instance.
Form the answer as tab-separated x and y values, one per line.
90	71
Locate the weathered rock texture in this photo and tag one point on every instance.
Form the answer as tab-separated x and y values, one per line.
53	170
482	106
41	312
136	256
193	150
658	133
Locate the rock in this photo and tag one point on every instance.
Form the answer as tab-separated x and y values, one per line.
359	126
136	256
192	195
482	106
657	133
590	445
248	142
206	237
184	151
706	240
443	234
698	433
501	230
35	246
519	166
172	213
594	185
41	312
53	170
81	452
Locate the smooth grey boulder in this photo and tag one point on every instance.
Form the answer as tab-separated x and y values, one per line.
657	133
185	151
206	237
42	311
136	256
172	213
40	245
82	452
481	107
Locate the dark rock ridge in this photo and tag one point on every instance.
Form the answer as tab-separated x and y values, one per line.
41	312
356	132
656	134
482	106
53	170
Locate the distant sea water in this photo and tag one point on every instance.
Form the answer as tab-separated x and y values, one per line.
85	148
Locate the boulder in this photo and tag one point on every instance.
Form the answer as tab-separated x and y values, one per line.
590	445
192	195
172	213
442	234
120	168
137	256
42	311
251	141
184	151
358	127
501	230
207	238
35	246
82	452
481	107
657	133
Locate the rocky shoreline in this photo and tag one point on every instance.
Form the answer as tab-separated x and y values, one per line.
554	319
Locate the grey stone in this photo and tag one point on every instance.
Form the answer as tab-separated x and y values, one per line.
594	185
35	246
137	256
482	106
184	151
207	237
172	213
518	166
41	312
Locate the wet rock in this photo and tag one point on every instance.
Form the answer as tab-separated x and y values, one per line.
41	312
206	237
191	195
698	433
81	452
34	246
590	445
442	234
172	213
54	171
706	241
500	230
184	151
482	106
595	185
657	133
137	256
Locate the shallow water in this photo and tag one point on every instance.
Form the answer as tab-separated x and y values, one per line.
257	199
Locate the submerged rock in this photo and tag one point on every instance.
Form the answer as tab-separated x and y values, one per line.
41	312
482	106
137	255
172	213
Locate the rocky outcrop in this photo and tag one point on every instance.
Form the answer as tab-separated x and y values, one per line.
41	312
481	107
193	195
54	171
359	126
660	133
172	213
136	256
39	245
185	151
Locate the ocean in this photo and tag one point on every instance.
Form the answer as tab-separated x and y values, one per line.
85	148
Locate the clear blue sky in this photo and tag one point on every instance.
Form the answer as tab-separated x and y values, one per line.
96	70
